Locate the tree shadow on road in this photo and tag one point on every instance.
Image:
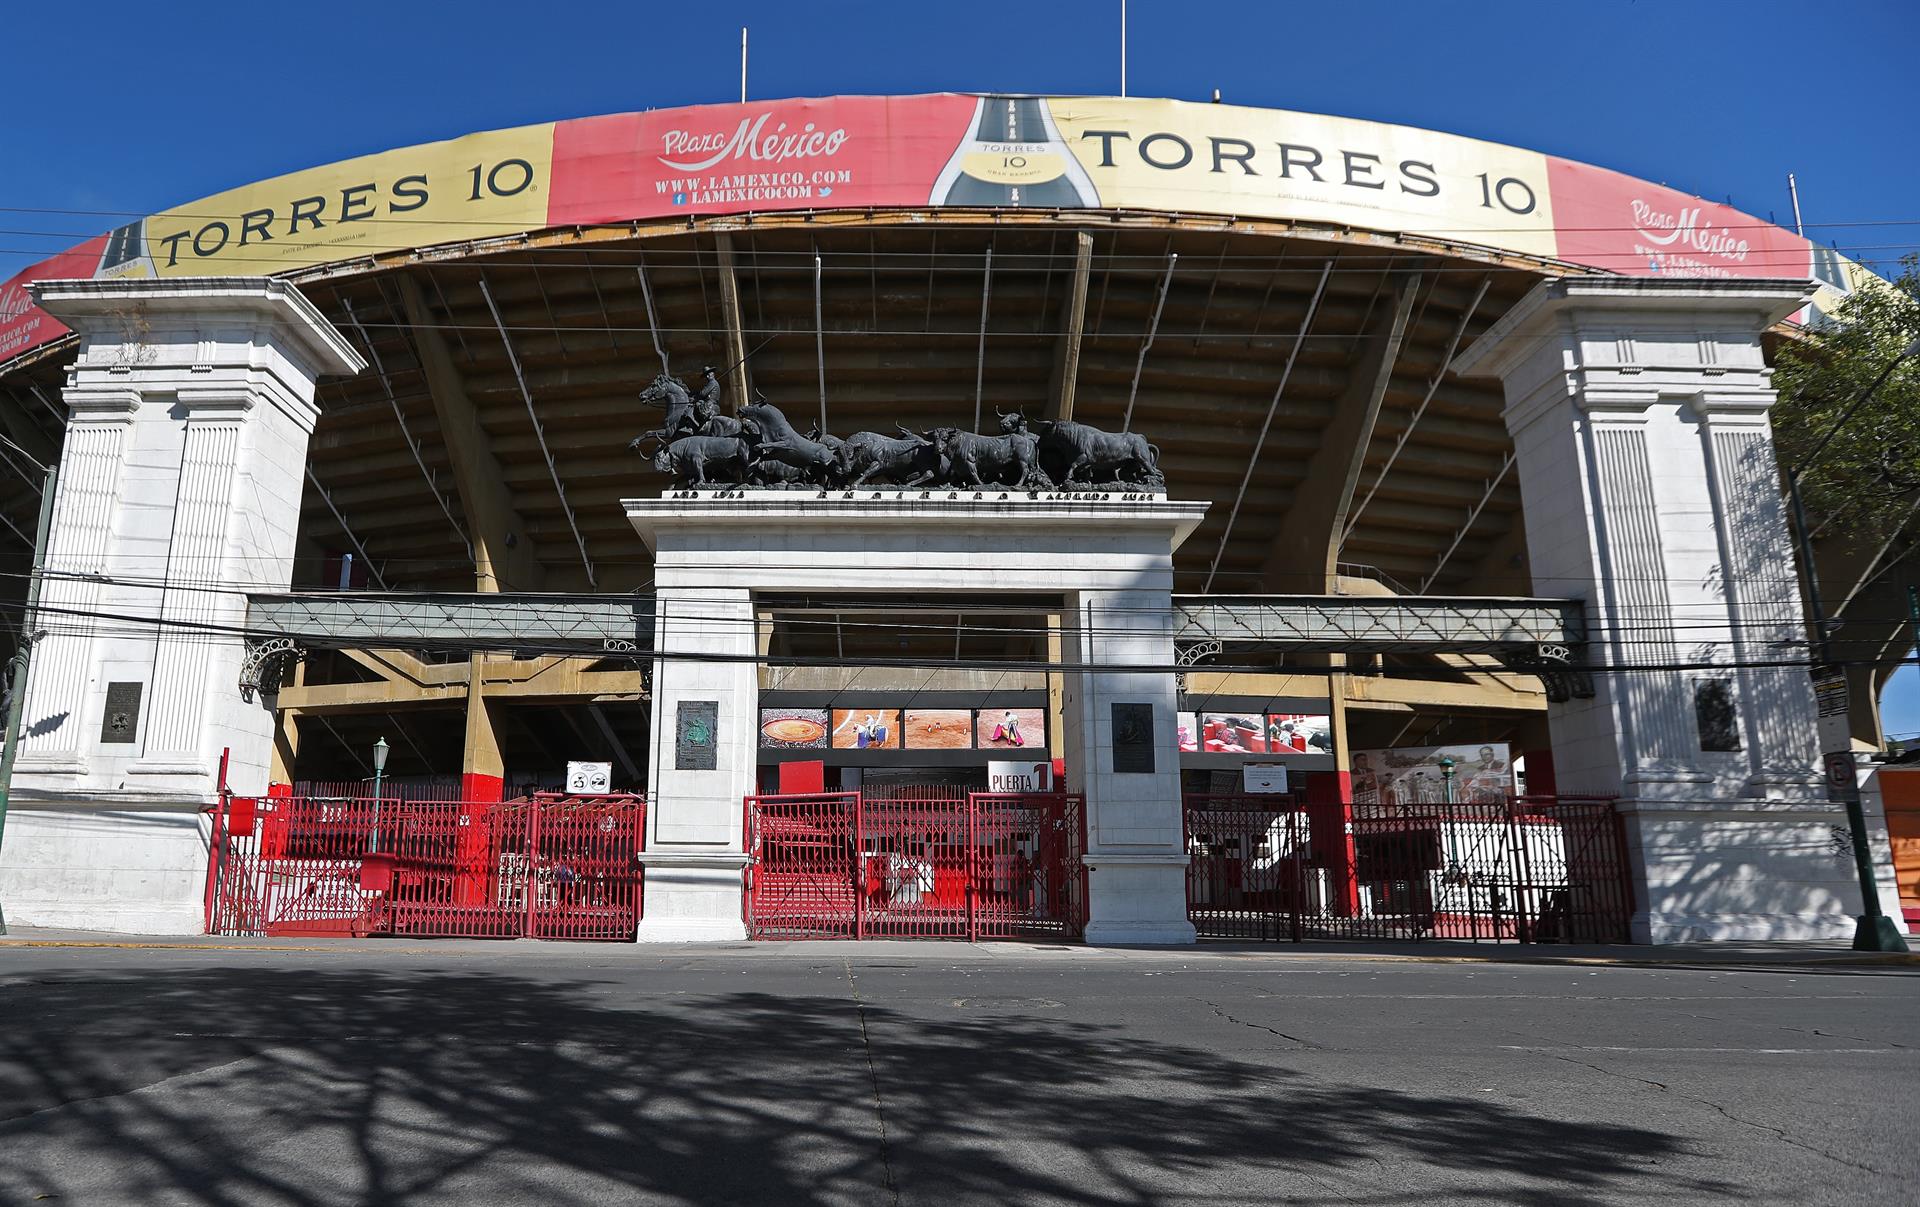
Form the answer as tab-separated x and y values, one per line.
343	1085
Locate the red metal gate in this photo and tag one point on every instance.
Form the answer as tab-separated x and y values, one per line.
1247	869
550	867
1525	869
932	864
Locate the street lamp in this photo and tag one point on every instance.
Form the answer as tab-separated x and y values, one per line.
1447	822
1873	930
379	772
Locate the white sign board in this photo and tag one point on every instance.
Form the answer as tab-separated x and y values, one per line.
1029	775
1263	777
589	779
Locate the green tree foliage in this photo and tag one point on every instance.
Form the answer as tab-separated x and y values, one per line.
1868	477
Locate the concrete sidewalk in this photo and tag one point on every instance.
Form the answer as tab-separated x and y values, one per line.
1799	954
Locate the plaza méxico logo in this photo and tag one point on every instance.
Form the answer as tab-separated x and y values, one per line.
758	143
14	302
1682	232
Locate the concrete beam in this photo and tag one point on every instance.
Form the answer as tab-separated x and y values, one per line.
739	383
1073	320
503	552
313	698
398	666
1392	694
573	685
1306	547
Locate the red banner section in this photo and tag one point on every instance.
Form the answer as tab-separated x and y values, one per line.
832	153
1611	221
22	324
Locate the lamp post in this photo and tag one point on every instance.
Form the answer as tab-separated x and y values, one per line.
1447	824
1873	930
379	773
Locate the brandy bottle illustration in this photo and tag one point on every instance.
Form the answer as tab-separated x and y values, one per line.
125	254
1015	157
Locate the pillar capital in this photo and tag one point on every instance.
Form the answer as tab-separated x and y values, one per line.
1620	344
206	340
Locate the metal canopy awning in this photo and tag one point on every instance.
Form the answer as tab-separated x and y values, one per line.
548	624
1376	625
1337	624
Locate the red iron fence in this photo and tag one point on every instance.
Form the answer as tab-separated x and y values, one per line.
549	866
915	865
1524	869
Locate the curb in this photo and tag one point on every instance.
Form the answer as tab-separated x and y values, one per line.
934	952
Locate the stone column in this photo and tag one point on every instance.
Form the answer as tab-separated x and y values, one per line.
1108	559
701	756
1638	411
179	490
1120	742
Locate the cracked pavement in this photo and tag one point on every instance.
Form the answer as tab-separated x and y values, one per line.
480	1073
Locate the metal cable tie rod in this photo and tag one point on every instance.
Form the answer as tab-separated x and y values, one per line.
1273	404
539	433
1166	282
399	417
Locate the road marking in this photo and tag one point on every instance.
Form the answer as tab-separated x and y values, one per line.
1752	1051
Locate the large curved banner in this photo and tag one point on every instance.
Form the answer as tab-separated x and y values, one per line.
939	150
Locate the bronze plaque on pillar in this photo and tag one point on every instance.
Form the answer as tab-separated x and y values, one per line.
696	742
1133	737
120	724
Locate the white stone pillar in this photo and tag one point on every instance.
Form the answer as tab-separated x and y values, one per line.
1638	411
1120	741
179	489
1108	558
701	759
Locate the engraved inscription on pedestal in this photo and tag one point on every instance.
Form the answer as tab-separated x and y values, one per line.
696	726
120	725
1133	737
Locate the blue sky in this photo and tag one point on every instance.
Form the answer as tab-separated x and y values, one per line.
131	108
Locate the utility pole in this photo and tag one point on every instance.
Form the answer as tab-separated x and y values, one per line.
23	654
1123	47
743	64
1873	930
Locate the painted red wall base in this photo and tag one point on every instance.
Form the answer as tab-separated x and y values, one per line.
803	775
477	787
1330	830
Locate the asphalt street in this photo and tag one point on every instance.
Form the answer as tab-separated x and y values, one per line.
408	1072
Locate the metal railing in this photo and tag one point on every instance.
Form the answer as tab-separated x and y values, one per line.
1527	869
915	864
548	866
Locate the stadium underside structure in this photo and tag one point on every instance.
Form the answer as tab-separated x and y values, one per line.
485	446
473	581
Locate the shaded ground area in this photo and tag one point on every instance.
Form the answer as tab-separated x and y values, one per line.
520	1073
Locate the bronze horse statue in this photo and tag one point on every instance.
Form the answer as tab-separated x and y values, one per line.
687	414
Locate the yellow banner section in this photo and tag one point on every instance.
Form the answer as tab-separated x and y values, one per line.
1264	163
467	188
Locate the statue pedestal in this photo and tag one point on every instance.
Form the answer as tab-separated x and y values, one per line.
1103	560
